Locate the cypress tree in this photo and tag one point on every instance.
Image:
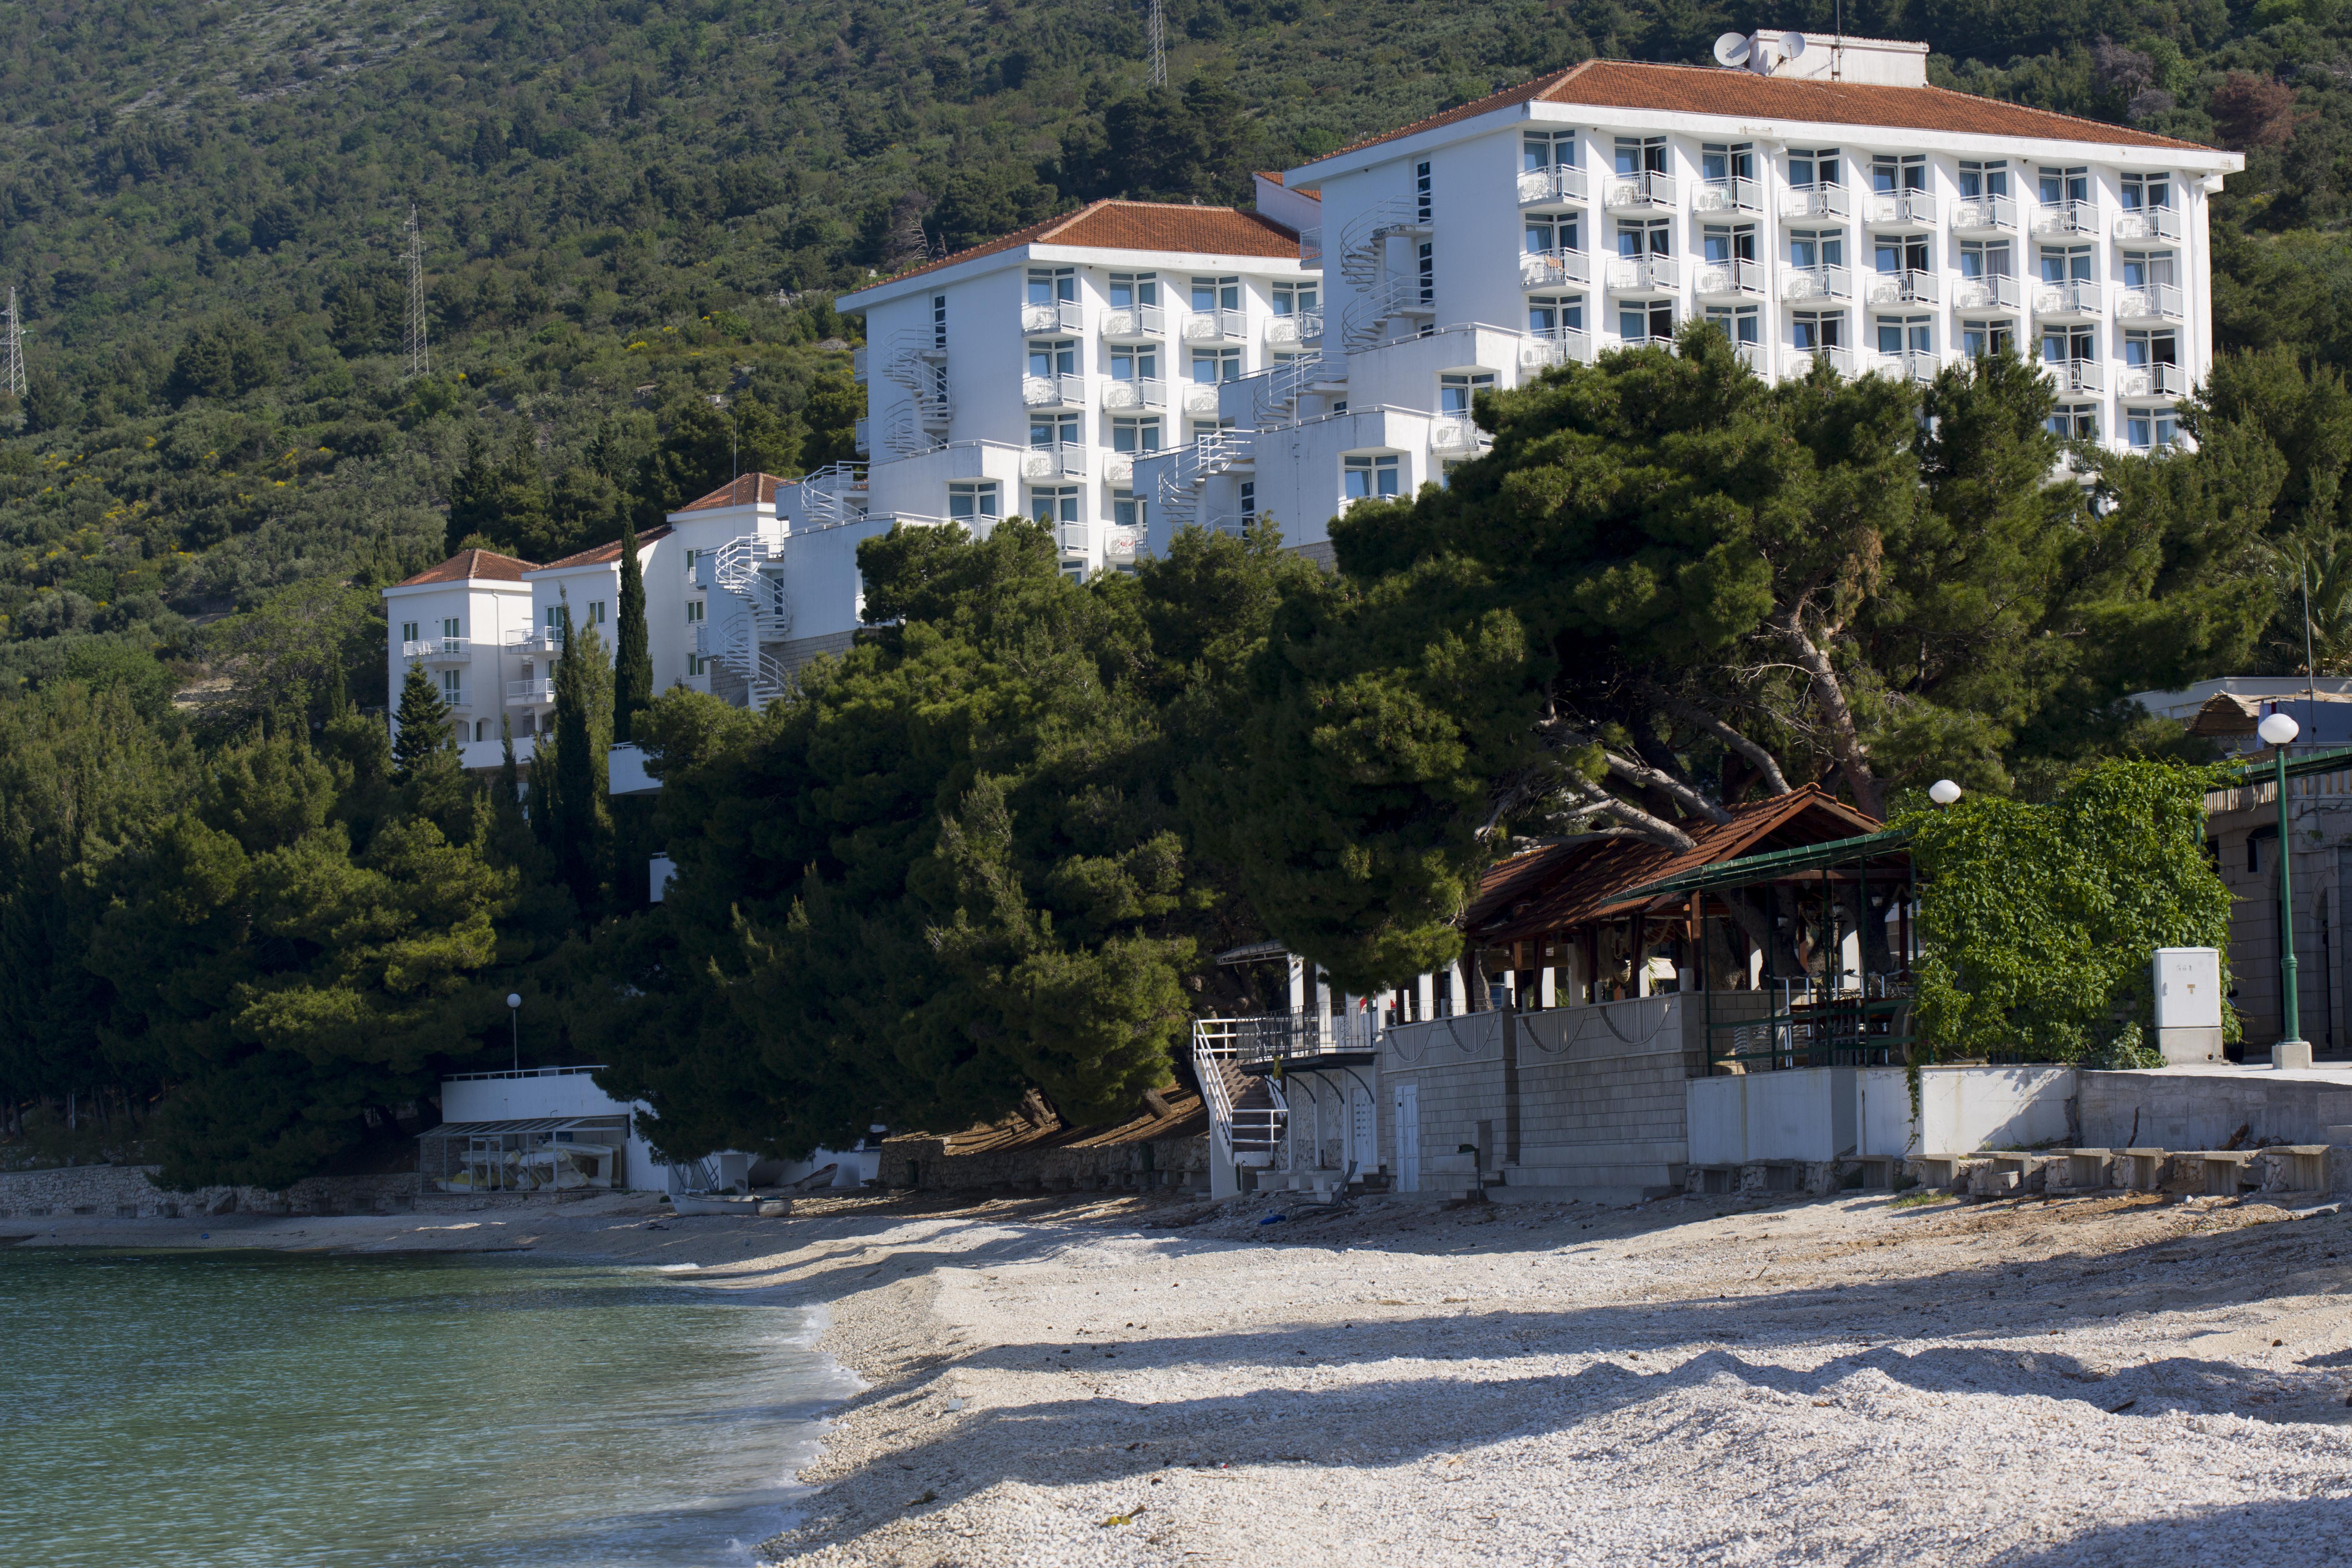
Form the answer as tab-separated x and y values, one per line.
424	724
632	663
583	723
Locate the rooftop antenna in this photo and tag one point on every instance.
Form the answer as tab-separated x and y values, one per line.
420	356
15	369
1158	43
1837	46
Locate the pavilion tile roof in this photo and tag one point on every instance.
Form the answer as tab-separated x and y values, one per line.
744	490
471	566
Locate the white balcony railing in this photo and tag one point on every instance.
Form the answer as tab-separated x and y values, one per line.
1905	288
1563	345
1119	471
1797	363
1992	291
1054	316
1554	268
1719	278
1053	461
2070	296
857	364
2152	302
438	650
1647	189
530	694
1817	283
1912	364
2076	375
1311	245
541	642
1816	201
1216	326
1644	275
2147	223
1551	187
1142	392
2153	380
1902	209
1053	391
1200	399
859	437
2066	217
1138	322
1455	437
1728	195
1300	327
1984	215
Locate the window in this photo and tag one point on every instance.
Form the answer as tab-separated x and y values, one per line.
1637	237
1249	501
1456	390
1562	232
1210	426
2074	422
1655	321
1427	256
2061	344
1813	248
2060	185
694	610
1135	434
1981	340
2142	349
1054	503
1052	429
1813	331
2064	263
2143	191
558	619
2141	270
1212	366
972	501
1984	259
1125	511
449	688
691	557
1722	244
1719	163
1052	285
1135	365
1296	298
1368	477
1540	150
481	729
1891	173
1901	255
1422	189
1979	179
1738	323
1640	154
1550	316
595	611
939	321
1129	289
452	630
2151	429
1216	294
408	631
1899	333
696	665
1057	357
1816	167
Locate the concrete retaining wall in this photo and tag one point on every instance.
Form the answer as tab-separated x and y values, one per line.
2202	1107
1820	1115
126	1191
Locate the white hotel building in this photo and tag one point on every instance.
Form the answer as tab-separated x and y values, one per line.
1129	368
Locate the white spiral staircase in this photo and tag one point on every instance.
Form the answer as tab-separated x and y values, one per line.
761	615
1378	295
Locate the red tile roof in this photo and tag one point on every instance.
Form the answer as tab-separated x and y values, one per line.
1141	225
1275	175
742	490
1701	89
604	554
1565	885
471	565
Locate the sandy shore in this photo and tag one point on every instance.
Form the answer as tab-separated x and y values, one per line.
2094	1382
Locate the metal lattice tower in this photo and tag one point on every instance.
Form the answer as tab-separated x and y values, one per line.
1158	43
15	369
420	355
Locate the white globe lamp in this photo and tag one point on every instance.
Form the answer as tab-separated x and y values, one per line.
1943	792
2291	1050
2278	729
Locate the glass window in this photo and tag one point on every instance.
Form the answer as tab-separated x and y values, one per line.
1135	365
1637	154
694	610
1729	243
1979	339
408	631
1129	289
1984	259
1550	315
1636	238
2144	348
1817	167
1056	503
1815	330
1553	232
1135	434
1738	323
1048	285
1216	294
1817	247
2142	190
1366	478
2074	422
1897	335
1424	189
1719	163
1294	298
2064	264
1547	149
1655	320
1983	179
1891	172
595	611
1212	366
2151	430
1125	511
1456	390
2060	185
1052	429
1056	358
971	500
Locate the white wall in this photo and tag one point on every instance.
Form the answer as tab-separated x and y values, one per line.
537	1093
1831	1114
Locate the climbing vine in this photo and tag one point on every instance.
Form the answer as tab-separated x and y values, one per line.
2038	921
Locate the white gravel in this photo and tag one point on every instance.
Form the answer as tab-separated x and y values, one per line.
2089	1382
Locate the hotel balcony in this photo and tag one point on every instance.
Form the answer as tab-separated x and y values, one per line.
1219	326
2148	223
1457	438
1565	345
1900	210
1798	364
1730	194
1638	192
2067	217
2153	380
1143	393
1119	471
1053	392
1053	461
1733	279
1912	364
1054	316
2072	299
2151	302
1908	287
1800	283
1200	399
1557	185
1554	269
1816	202
1984	215
1644	275
2074	376
537	692
438	650
538	642
1135	324
1990	293
1300	327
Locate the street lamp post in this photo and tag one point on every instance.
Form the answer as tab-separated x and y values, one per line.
514	1027
2292	1049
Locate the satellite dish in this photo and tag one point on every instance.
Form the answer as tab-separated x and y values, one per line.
1791	45
1731	49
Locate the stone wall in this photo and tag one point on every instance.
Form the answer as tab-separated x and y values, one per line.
1143	1165
126	1191
2179	1110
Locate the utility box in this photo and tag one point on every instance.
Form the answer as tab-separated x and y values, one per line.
2189	1004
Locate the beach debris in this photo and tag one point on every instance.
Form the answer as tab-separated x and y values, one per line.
929	1495
2127	1404
1273	1219
1128	1517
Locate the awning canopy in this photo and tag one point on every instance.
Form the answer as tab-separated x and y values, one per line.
1779	863
529	1124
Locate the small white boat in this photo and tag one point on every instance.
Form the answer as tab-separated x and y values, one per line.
713	1203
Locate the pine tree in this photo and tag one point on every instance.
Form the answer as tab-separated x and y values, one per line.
632	663
424	720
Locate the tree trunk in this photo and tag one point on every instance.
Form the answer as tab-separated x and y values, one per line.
1845	736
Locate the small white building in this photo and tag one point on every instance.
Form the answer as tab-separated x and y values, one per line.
469	622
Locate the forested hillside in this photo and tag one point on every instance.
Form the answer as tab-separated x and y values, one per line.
214	883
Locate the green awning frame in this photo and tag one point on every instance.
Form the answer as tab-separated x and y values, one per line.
1774	864
2335	760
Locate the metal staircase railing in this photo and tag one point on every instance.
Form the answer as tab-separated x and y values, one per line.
834	495
1247	1117
1380	295
917	361
1179	498
736	641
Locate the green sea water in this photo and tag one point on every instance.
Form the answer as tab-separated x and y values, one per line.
288	1410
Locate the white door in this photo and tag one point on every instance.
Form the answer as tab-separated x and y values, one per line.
1363	1132
1408	1137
